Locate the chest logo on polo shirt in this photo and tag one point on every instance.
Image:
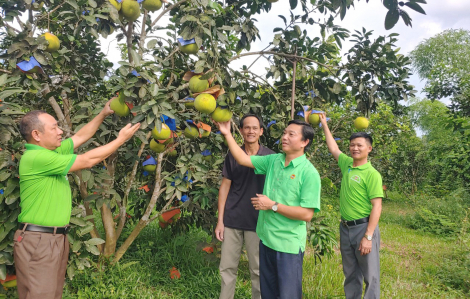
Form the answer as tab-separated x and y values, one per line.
292	176
356	178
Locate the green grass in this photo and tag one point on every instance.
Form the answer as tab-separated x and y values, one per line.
410	266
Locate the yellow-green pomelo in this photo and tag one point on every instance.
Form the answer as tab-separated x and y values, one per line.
221	114
115	4
205	134
361	123
152	5
156	146
196	85
205	103
173	153
119	108
10	284
54	42
314	119
150	168
164	134
189	49
191	132
37	6
130	9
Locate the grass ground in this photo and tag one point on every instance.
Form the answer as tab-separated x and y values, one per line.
410	261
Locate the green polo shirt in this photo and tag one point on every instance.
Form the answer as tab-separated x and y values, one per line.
45	193
298	184
358	186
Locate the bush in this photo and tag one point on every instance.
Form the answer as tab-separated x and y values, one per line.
442	216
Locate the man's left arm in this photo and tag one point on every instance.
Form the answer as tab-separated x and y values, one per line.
366	246
87	131
262	202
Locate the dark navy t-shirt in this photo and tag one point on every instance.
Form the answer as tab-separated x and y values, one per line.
239	212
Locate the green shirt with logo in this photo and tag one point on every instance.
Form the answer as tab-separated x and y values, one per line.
358	186
46	198
297	184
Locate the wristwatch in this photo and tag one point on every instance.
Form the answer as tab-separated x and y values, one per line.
274	207
369	238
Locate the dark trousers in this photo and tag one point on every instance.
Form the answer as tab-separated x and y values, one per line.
41	262
280	273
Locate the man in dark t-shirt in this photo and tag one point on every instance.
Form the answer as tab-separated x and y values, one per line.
237	216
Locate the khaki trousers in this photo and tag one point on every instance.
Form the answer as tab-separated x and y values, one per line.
41	262
231	252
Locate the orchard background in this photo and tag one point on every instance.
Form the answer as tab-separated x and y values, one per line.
114	201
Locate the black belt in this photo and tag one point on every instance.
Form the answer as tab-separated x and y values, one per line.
63	230
355	222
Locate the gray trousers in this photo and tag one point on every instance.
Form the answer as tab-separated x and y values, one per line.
357	268
230	256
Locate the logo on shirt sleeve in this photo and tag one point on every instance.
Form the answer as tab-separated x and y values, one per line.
356	178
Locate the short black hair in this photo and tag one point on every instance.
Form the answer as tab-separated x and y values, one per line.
251	115
30	122
364	135
307	131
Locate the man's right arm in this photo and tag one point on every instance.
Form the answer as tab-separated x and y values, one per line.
240	156
330	140
95	156
223	193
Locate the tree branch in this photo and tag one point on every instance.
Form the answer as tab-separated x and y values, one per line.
123	207
167	10
5	71
282	55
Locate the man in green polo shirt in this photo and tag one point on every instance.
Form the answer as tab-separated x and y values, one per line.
290	196
360	203
41	246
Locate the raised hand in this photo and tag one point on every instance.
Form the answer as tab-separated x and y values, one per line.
107	109
128	131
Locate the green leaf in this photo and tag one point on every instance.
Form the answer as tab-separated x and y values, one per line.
152	43
3	79
135	57
77	221
293	4
8	92
3	271
95	241
93	249
92	3
391	18
415	7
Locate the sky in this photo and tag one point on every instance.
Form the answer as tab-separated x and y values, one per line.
440	15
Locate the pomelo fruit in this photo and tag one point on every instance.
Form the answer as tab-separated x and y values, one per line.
189	49
205	134
37	6
54	43
164	134
191	132
221	114
156	146
173	153
115	4
196	85
150	168
130	9
205	103
152	5
119	108
314	119
361	123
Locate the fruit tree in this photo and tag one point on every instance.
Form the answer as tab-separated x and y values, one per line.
175	75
